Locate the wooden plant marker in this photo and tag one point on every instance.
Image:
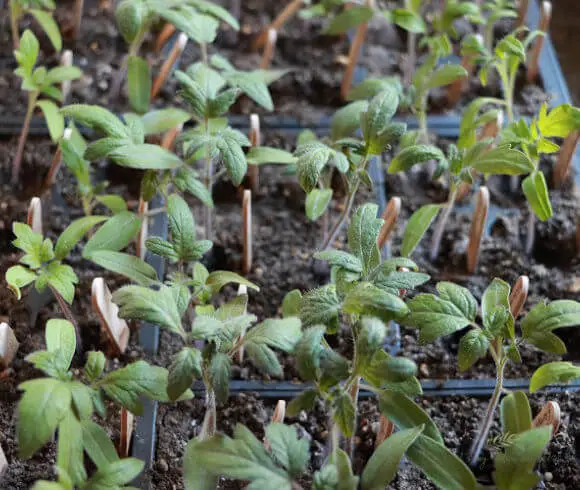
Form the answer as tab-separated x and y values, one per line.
8	345
242	290
255	140
536	49
56	161
386	429
549	415
282	18
278	416
140	248
116	328
268	53
355	47
456	89
477	227
3	462
166	32
567	150
247	231
522	12
390	215
519	295
66	60
127	425
175	53
34	218
170	136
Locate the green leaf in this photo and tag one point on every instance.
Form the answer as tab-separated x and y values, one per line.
408	20
445	75
126	385
195	477
95	365
220	371
262	155
60	277
347	119
363	232
320	306
70	457
97	118
292	303
289	451
115	474
230	147
186	180
308	352
100	149
406	414
515	466
138	84
184	368
27	54
412	155
553	372
516	414
344	413
49	26
162	120
539	323
348	19
280	333
145	156
61	74
98	444
460	297
127	265
536	191
82	400
161	247
43	405
304	401
54	119
312	157
366	299
182	227
440	465
116	204
218	279
416	227
496	297
74	233
243	457
339	258
114	235
434	317
130	16
157	307
503	160
254	85
317	202
472	346
559	122
61	340
18	277
345	478
375	120
382	467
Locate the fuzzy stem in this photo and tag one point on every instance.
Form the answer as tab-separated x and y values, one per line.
32	96
120	75
423	128
485	425
440	226
340	221
15	13
411	58
208	429
531	231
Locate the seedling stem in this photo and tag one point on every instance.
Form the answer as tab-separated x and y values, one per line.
32	97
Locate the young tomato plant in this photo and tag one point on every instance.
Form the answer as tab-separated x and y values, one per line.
39	81
210	88
455	308
349	155
66	400
457	167
42	11
496	10
364	295
211	336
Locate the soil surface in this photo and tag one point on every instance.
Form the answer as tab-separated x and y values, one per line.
456	417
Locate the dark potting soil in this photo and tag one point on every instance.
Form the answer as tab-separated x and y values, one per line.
309	91
456	417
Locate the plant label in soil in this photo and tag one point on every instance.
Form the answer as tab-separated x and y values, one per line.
8	345
116	328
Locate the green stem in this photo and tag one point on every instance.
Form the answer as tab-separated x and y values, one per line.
208	214
32	97
15	14
441	223
208	428
66	311
481	438
133	51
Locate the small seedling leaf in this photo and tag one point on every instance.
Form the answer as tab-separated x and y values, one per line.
139	84
536	192
416	227
317	202
553	372
74	233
